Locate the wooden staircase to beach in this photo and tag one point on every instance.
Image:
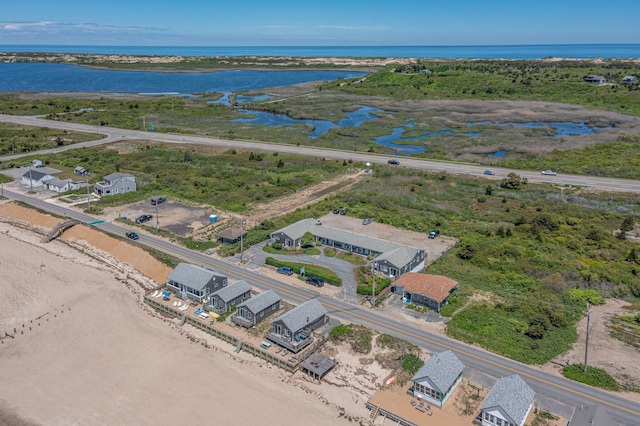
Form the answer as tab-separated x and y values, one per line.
57	230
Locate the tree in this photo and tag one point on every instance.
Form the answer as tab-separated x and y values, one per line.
513	181
628	224
307	239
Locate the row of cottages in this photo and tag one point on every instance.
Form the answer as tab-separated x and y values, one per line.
227	297
36	178
391	259
438	378
254	310
116	183
432	291
292	330
508	403
194	282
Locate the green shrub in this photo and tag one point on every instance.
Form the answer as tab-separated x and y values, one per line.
412	363
584	296
594	376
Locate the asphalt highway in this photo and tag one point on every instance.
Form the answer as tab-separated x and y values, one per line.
553	388
113	134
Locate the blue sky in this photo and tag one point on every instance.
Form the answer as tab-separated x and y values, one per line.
318	23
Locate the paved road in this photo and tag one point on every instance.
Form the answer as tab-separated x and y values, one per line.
114	134
477	360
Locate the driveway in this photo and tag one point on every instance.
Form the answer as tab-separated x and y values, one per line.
255	257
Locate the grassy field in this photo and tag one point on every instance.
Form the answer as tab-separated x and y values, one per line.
19	139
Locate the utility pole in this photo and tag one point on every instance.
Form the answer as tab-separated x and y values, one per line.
88	198
30	178
373	286
144	124
586	344
241	241
157	218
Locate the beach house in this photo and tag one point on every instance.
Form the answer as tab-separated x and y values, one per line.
508	403
254	310
432	291
292	330
194	282
438	378
227	297
116	183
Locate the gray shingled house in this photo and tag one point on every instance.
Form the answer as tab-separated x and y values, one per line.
292	330
254	310
116	183
438	378
391	259
227	297
194	282
508	402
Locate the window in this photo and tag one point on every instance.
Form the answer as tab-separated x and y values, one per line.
499	422
486	416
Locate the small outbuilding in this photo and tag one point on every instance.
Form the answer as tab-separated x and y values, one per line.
231	235
317	366
79	170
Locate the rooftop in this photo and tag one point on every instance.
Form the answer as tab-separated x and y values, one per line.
435	287
261	301
442	369
191	275
298	318
513	395
232	291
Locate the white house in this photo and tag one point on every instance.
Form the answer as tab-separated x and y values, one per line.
35	178
58	185
508	403
629	79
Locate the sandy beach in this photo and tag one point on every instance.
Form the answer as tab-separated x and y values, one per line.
83	349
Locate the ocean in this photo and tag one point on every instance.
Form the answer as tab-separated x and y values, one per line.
537	51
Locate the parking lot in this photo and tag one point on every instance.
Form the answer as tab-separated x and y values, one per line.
177	218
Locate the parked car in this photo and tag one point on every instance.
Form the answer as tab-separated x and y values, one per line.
336	211
344	211
285	270
548	173
367	221
157	200
132	235
393	162
317	281
434	233
144	218
489	173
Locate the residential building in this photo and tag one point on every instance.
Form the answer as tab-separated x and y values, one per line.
390	259
428	290
508	403
227	297
259	307
35	178
596	79
194	282
438	378
59	185
116	183
292	330
629	79
37	163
